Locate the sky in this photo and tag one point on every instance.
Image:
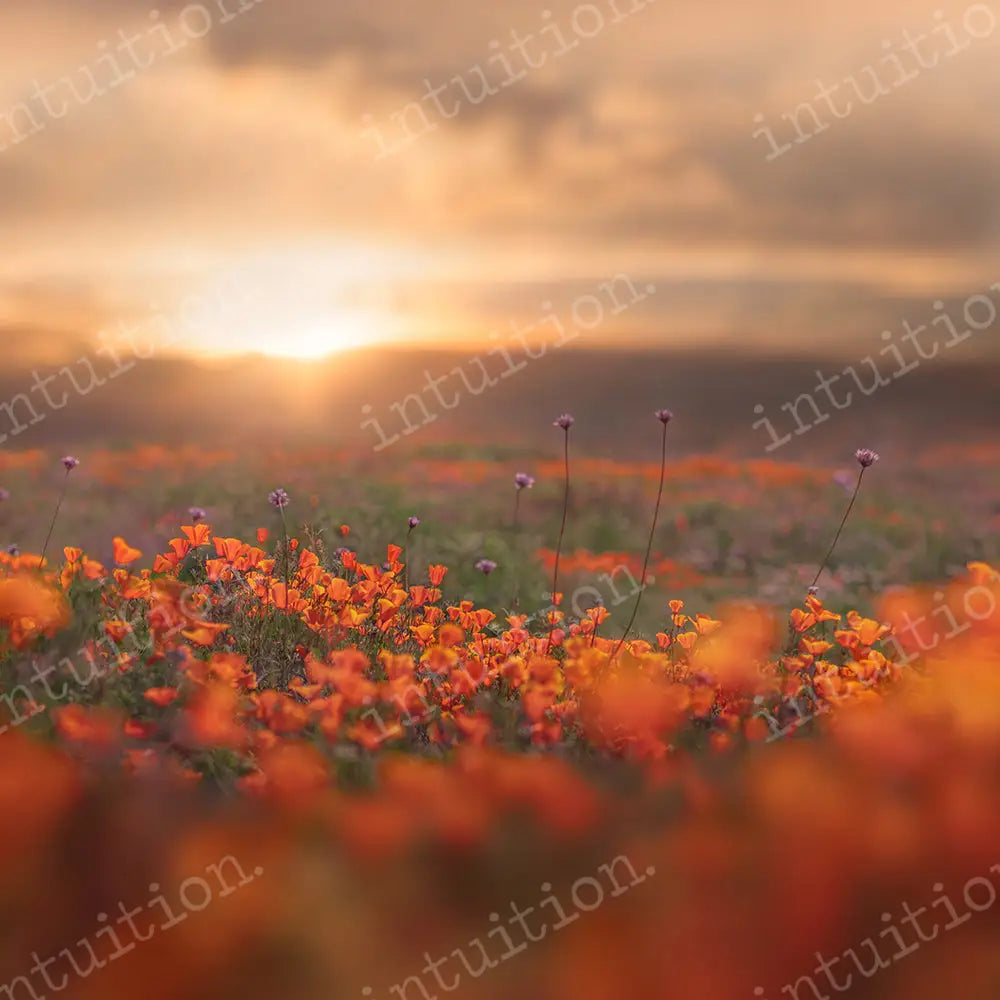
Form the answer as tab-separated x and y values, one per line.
300	176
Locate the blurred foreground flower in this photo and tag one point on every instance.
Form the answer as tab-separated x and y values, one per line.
31	604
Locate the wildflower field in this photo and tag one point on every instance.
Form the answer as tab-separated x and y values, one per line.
496	724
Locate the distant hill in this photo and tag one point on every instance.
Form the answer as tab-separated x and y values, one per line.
611	393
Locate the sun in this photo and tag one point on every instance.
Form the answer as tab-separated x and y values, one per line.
318	338
295	306
310	336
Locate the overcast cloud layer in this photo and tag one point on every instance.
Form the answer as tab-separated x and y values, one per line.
253	154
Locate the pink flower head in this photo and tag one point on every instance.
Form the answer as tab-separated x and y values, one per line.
13	550
70	463
523	481
565	422
486	566
664	416
279	498
197	514
413	522
4	494
866	457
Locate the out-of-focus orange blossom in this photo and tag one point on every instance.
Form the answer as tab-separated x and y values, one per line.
30	606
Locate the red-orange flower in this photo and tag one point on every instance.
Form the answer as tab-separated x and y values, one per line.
161	696
125	554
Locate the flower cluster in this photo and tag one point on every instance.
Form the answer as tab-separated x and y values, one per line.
367	663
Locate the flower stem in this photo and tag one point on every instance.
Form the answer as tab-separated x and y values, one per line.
649	543
288	560
836	537
562	531
55	517
517	575
406	561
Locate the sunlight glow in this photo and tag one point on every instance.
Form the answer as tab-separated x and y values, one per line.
314	338
303	305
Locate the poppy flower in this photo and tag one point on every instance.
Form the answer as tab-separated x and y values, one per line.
125	554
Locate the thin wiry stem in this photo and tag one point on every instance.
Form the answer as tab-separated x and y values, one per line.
562	531
288	560
836	537
649	543
406	561
517	575
55	517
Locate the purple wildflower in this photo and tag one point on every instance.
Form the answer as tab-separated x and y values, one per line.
486	566
866	457
523	481
279	498
565	422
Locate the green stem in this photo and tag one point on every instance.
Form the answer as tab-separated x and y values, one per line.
649	544
517	575
55	517
836	537
562	531
288	560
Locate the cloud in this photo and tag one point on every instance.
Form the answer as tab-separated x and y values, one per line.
635	145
